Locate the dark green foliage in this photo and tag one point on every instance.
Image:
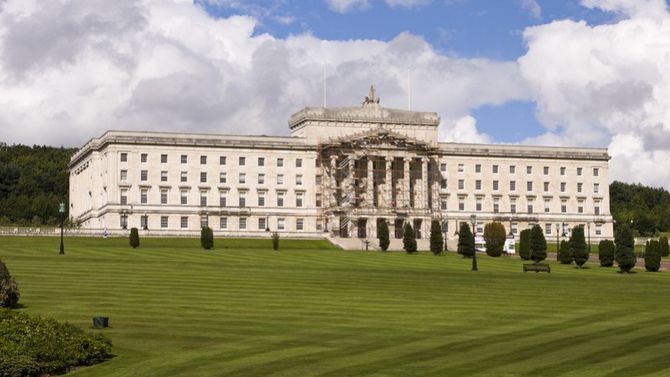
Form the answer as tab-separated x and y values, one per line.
652	256
524	244
206	237
538	245
409	239
466	244
495	236
624	251
436	239
664	248
383	235
565	252
9	291
578	246
134	238
35	346
275	241
606	253
648	207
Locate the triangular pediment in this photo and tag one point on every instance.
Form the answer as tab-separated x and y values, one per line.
378	138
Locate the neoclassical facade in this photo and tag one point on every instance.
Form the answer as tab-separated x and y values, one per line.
341	172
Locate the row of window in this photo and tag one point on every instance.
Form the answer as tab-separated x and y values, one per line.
562	229
530	206
223	198
495	185
512	169
242	161
223	177
223	222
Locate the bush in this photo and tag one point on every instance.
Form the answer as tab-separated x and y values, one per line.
624	250
436	239
466	244
134	238
652	256
578	246
206	237
524	244
565	252
538	245
606	253
9	290
383	235
35	346
664	248
409	239
495	237
275	241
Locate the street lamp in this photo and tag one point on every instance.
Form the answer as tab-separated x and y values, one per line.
558	234
473	221
588	230
61	212
445	229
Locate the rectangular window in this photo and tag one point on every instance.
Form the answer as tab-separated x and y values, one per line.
547	205
144	157
563	185
580	206
461	204
203	160
223	222
144	222
261	161
243	223
546	170
164	176
564	205
579	171
298	162
562	170
261	199
242	161
443	184
512	205
144	175
530	205
164	221
183	176
317	180
318	200
512	169
461	184
124	157
243	178
478	168
494	169
280	199
478	204
298	199
144	196
183	197
163	159
124	197
124	175
478	184
223	177
515	228
443	204
243	200
546	186
222	200
261	223
596	188
164	196
261	179
529	170
579	187
203	177
222	160
443	167
512	185
595	172
280	179
280	223
596	207
298	180
183	158
599	230
280	162
204	221
203	198
547	229
461	168
496	205
299	224
183	222
529	186
495	185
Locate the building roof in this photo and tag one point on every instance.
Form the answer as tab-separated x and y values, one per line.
368	113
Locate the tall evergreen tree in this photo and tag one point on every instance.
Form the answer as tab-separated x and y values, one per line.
606	253
9	291
652	256
383	235
206	238
134	238
565	252
466	244
664	247
538	244
495	237
625	248
409	239
275	241
524	244
436	239
580	253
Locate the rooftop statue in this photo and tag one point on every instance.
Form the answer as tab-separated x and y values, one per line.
370	98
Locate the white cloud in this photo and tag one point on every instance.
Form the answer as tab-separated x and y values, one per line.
407	3
633	8
533	8
465	131
344	6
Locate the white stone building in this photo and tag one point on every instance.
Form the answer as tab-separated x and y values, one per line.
340	172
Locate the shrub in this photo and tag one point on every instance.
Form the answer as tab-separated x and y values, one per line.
383	235
606	253
275	241
466	244
35	346
409	239
664	247
494	236
436	239
538	245
624	250
565	252
134	238
578	246
524	244
9	290
652	256
206	237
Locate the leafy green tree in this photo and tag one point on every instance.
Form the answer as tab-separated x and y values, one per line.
524	244
565	252
436	239
275	241
383	235
409	239
664	248
606	253
494	236
134	238
466	243
652	256
9	290
625	248
578	246
538	244
206	238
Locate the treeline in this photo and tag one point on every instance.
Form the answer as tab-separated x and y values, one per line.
33	181
646	208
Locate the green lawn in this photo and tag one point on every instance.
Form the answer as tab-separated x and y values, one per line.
177	310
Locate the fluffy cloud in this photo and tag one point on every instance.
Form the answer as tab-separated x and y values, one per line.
344	6
532	7
407	3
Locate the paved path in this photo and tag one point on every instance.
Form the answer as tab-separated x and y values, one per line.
593	261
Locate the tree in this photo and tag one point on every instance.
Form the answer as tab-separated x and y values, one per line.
652	256
565	252
436	239
207	237
524	244
578	246
466	244
275	241
495	237
383	235
9	290
606	253
663	247
409	239
134	238
538	245
625	248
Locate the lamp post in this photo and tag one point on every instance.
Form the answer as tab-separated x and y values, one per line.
61	212
473	221
445	229
588	230
558	234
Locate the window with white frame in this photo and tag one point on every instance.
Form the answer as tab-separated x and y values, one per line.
223	177
262	225
599	229
280	162
203	198
512	185
514	228
478	184
242	199
298	180
579	171
124	197
261	199
204	221
547	229
183	158
461	203
512	169
530	202
203	160
512	205
261	161
479	203
318	200
298	199
124	157
164	176
164	221
124	175
461	184
144	175
183	176
579	186
547	205
223	199
496	205
596	207
564	205
280	223
298	162
443	204
495	185
124	221
144	222
242	178
183	195
546	186
280	179
596	188
164	158
580	206
222	160
203	177
478	168
144	157
299	224
223	222
144	196
243	223
443	183
280	199
529	186
529	170
443	167
563	186
164	196
183	221
596	171
546	170
562	170
461	168
261	179
241	161
494	169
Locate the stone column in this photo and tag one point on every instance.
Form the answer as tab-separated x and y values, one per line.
405	181
371	184
424	183
333	182
437	177
389	186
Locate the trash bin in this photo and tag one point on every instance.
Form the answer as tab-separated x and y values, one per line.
100	322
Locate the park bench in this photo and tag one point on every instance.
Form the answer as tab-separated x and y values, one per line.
536	267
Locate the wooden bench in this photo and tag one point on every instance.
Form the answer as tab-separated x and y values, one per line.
536	267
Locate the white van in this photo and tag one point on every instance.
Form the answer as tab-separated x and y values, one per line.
510	244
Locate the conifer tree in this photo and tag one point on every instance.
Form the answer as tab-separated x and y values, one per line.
565	252
409	239
9	291
578	246
494	236
383	235
652	256
538	244
275	241
606	253
466	244
524	244
134	238
664	247
206	238
625	248
436	239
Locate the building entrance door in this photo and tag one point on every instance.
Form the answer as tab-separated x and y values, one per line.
362	225
398	228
